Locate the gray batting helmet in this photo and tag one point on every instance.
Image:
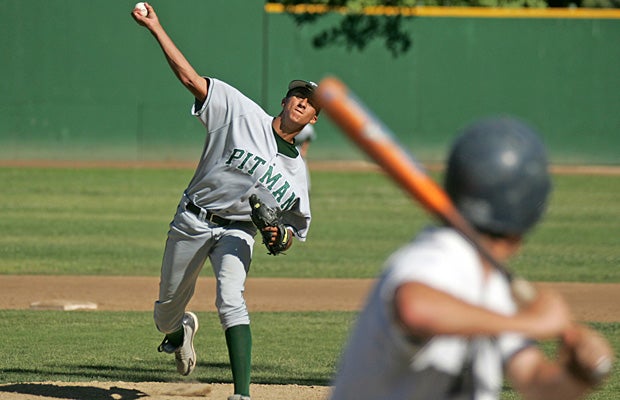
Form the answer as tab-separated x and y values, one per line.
497	176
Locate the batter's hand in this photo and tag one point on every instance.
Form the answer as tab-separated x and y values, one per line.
546	317
586	354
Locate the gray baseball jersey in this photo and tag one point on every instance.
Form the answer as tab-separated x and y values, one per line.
241	157
382	362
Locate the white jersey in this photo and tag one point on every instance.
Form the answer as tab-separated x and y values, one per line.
241	157
382	362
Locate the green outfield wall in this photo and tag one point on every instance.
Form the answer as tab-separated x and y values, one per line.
81	80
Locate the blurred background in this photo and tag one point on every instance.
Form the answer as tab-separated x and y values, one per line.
82	81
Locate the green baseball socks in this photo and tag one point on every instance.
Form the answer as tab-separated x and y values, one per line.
239	342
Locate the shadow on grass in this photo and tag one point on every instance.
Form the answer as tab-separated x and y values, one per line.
73	392
267	374
276	375
92	372
205	372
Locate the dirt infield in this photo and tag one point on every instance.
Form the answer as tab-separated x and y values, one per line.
590	302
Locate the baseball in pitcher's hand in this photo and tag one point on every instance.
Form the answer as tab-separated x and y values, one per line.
148	21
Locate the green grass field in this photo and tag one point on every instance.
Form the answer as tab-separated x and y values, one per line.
114	222
289	348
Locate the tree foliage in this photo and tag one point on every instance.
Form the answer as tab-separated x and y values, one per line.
357	28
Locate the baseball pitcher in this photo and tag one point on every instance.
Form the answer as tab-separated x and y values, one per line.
250	177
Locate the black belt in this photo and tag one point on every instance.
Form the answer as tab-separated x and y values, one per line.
208	215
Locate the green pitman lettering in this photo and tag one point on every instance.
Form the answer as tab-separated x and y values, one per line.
249	162
259	161
247	156
271	180
236	154
289	202
279	194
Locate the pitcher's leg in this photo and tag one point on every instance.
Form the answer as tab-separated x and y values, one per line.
231	259
186	249
183	259
239	343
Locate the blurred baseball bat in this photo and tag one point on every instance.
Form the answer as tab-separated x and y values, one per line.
372	136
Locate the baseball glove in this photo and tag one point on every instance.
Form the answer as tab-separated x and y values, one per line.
275	240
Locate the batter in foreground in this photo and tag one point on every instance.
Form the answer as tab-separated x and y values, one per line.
441	322
247	154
